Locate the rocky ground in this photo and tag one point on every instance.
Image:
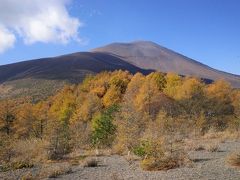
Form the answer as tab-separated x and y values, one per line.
206	165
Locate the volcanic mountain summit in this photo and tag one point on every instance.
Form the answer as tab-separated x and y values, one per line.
149	55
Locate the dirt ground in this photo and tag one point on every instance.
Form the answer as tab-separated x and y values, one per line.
206	165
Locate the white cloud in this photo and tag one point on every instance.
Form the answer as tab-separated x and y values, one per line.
36	21
7	39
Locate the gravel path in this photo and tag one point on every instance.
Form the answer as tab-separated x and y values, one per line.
207	166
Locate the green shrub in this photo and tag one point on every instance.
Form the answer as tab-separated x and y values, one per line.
143	149
104	130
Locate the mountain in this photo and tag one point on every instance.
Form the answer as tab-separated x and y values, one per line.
41	77
149	55
69	67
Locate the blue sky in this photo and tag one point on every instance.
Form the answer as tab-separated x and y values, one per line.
205	30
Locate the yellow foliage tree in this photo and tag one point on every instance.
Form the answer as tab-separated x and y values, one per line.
7	116
25	120
173	83
149	98
189	88
86	108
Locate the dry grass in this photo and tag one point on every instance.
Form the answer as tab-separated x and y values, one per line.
25	154
33	150
211	140
95	152
223	135
212	147
152	164
234	159
77	160
194	145
231	135
165	162
212	134
101	152
131	158
16	165
53	171
48	171
28	176
76	157
87	158
59	172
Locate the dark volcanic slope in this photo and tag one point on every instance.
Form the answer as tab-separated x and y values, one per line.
148	55
71	67
42	77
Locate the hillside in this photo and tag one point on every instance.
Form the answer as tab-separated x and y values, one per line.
41	77
149	55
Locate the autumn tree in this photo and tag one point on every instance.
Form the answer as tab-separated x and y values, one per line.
40	112
99	84
60	113
103	128
7	117
129	121
169	128
219	104
86	107
7	121
190	88
25	120
173	83
235	121
130	127
150	97
201	125
192	97
159	79
117	87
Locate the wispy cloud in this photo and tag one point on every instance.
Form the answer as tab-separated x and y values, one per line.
95	12
36	21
